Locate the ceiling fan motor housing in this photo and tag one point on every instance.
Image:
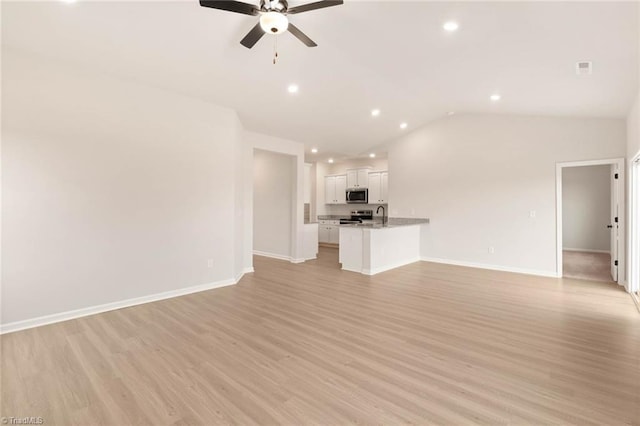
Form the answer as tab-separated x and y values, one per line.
274	5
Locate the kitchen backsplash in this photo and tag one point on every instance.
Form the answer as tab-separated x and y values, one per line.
307	212
345	209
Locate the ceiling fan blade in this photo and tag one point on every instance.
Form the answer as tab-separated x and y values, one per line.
231	6
253	36
313	6
301	36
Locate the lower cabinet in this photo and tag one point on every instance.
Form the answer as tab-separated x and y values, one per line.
328	231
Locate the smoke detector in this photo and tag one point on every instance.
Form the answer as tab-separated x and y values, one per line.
584	68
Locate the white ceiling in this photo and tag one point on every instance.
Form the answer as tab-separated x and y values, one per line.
391	55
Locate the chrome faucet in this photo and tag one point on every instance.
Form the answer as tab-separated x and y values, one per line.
384	214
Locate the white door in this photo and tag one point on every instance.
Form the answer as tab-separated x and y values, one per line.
341	189
614	224
374	188
330	190
384	187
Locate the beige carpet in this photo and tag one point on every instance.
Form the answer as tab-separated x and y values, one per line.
587	266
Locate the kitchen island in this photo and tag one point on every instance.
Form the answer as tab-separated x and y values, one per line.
373	248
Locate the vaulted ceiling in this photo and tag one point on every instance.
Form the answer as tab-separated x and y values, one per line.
391	55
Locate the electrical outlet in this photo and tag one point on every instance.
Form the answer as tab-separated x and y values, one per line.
491	250
413	212
210	263
532	214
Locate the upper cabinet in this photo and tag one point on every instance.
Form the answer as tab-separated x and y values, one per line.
335	189
357	178
378	188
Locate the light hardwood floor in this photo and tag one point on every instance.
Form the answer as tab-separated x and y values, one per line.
310	344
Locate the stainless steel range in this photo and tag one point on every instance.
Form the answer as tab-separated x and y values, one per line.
358	216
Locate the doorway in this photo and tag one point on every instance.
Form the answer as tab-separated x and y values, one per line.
590	234
274	186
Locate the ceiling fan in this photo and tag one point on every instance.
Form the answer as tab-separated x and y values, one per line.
273	17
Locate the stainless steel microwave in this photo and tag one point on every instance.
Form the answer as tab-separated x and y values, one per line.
357	196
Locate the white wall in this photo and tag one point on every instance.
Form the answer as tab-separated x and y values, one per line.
633	149
633	129
586	208
111	190
321	170
633	119
273	178
341	167
478	177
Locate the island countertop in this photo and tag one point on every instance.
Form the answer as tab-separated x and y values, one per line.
392	222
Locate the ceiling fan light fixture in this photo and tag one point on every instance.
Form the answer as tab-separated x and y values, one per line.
274	23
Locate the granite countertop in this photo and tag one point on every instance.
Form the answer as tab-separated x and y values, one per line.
310	222
333	217
392	222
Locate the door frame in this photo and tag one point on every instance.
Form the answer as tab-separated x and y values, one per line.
633	281
620	163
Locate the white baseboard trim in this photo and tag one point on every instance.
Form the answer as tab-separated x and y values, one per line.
244	271
272	255
492	267
586	250
390	266
278	256
92	310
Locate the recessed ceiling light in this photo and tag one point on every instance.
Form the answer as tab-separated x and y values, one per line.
293	88
495	97
451	112
372	155
313	150
375	112
450	26
403	125
330	160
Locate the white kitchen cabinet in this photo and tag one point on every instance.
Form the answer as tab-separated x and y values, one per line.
384	190
323	234
328	231
334	234
341	189
330	190
378	188
357	178
335	188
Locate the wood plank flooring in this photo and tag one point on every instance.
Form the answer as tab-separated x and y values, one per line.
310	344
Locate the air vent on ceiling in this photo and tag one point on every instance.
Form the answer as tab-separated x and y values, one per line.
584	67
